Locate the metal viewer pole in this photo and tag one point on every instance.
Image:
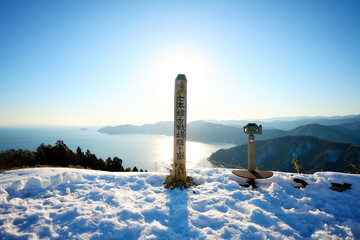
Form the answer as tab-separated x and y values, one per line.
251	152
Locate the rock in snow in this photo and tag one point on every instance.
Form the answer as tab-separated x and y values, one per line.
61	203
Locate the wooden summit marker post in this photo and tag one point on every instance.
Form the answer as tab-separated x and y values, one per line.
180	107
251	174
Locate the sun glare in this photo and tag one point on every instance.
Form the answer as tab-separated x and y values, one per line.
196	153
189	62
165	152
165	66
199	69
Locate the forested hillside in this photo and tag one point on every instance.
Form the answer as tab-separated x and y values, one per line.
313	154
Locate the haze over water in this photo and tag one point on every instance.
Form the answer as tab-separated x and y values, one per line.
150	152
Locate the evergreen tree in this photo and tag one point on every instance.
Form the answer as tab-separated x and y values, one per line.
59	155
108	164
43	154
80	157
117	165
63	156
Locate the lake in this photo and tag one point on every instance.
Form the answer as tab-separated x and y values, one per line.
150	152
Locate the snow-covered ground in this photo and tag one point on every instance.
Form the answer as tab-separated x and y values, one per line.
60	203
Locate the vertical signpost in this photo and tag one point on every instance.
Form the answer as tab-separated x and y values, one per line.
180	107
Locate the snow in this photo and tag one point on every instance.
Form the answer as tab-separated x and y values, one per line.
61	203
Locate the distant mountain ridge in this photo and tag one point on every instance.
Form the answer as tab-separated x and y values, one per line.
199	131
288	123
162	128
347	132
337	133
202	131
314	154
334	133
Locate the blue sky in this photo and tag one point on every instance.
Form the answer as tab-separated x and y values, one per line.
115	62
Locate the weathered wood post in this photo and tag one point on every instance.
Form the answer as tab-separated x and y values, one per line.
180	107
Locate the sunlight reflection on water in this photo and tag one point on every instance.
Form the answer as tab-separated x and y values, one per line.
196	152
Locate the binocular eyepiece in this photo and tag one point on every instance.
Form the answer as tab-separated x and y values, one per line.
252	128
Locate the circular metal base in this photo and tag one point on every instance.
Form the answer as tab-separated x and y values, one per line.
252	174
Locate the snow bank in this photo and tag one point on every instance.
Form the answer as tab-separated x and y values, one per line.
34	183
57	179
60	203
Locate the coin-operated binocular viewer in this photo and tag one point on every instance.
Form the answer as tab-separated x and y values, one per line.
251	129
251	174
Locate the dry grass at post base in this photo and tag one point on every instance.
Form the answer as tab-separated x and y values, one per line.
171	182
178	180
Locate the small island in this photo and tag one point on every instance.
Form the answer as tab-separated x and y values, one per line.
84	129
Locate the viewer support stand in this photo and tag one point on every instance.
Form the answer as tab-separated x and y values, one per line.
251	174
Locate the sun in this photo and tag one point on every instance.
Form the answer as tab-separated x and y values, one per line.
169	62
163	67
